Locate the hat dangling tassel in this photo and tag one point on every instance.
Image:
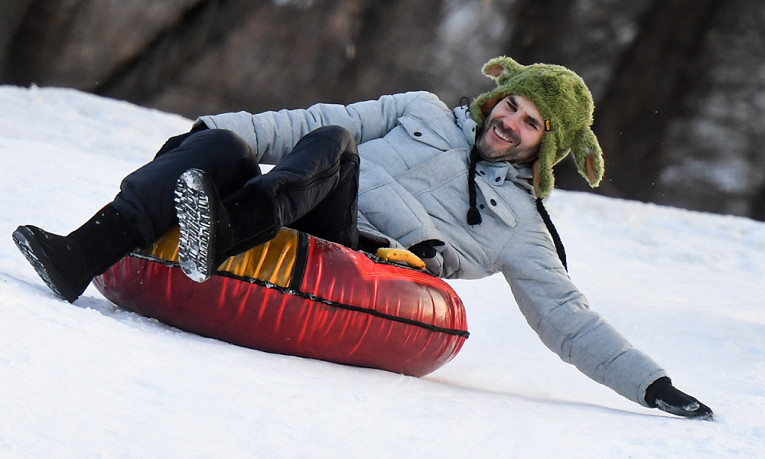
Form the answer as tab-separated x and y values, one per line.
473	215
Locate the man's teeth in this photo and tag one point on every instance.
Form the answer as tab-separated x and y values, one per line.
501	135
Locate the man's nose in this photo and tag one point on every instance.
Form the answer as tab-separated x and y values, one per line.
510	122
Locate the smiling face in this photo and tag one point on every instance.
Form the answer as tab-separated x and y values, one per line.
512	131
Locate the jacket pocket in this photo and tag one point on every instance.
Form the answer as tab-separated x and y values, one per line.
489	201
423	133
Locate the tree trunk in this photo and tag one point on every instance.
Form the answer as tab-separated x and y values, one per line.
646	91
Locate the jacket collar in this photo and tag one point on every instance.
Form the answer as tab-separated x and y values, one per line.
467	125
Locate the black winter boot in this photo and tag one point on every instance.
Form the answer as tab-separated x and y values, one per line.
212	229
67	264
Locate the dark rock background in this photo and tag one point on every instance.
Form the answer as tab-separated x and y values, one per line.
679	85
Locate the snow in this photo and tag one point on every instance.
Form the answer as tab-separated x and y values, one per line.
91	380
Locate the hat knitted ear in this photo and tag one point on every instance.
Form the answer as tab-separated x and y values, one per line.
564	102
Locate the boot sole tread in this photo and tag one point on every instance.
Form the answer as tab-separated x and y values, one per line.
195	221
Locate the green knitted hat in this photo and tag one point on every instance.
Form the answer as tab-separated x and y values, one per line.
566	105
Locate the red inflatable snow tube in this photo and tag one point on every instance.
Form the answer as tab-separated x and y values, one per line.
300	295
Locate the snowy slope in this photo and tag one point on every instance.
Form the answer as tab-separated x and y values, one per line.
90	380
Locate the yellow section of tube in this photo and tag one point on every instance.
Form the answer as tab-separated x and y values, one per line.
401	256
272	262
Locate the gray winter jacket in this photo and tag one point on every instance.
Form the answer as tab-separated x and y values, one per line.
413	187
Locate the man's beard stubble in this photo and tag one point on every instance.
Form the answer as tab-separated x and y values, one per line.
512	153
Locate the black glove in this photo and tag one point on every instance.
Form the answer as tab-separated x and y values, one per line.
426	249
662	394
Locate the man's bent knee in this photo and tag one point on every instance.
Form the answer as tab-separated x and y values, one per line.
217	142
338	134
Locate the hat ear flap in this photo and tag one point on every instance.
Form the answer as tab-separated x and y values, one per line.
501	70
544	181
588	156
500	66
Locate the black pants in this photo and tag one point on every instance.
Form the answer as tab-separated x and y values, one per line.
314	188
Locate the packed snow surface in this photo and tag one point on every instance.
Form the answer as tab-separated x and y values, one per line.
90	380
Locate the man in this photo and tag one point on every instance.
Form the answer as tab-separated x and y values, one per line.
460	189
